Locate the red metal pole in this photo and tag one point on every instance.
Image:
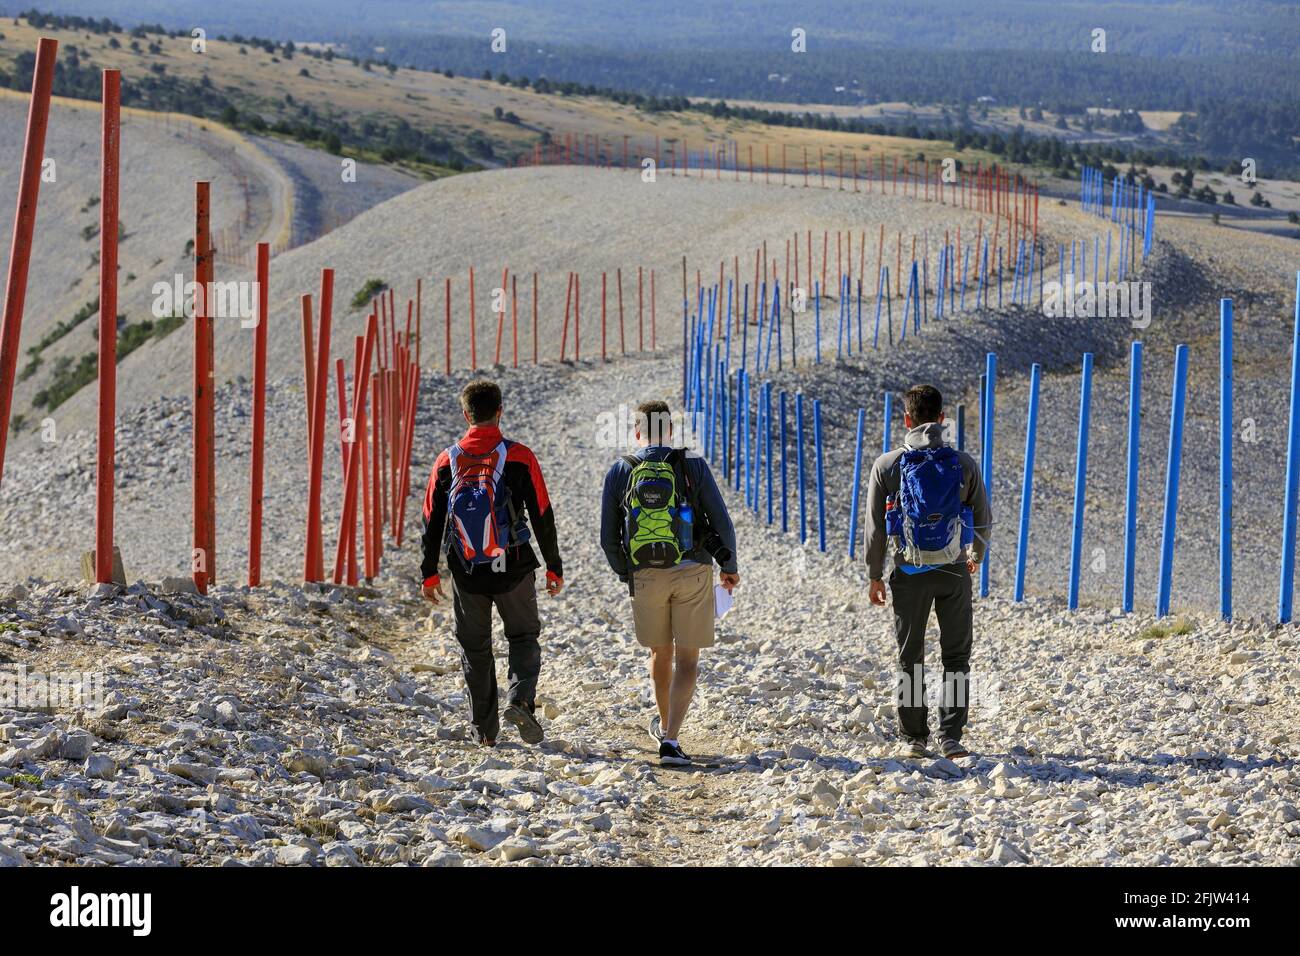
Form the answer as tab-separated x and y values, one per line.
534	318
20	243
568	303
259	418
376	518
413	387
447	334
640	308
313	564
622	341
308	365
603	284
419	314
361	380
473	338
201	559
104	470
577	317
341	393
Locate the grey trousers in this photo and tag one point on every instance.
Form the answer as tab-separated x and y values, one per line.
948	591
518	610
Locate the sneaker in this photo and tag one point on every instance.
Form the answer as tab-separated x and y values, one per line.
912	749
656	729
485	741
952	749
529	729
671	754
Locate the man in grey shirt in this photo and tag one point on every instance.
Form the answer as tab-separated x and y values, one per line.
916	588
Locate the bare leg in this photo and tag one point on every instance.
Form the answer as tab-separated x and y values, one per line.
683	689
661	672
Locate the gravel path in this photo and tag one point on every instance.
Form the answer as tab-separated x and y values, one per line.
328	728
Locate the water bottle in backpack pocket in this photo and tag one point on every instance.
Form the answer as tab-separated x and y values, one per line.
659	520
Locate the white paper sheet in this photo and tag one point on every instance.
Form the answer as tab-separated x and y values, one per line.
722	601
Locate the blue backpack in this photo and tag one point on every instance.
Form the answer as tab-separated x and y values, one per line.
928	520
481	518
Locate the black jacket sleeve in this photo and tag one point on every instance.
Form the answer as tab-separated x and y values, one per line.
435	516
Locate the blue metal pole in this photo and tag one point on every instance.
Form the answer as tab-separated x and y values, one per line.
1225	459
799	469
1287	584
767	438
1179	405
817	320
889	421
857	487
986	451
759	428
739	427
785	491
821	475
1080	481
1131	483
1027	484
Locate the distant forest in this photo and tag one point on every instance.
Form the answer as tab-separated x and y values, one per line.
1245	105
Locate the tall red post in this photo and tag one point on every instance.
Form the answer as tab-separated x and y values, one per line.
447	333
313	563
20	242
473	340
259	418
534	318
104	469
202	559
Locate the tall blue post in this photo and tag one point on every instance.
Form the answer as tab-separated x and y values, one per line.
1179	406
1027	484
759	426
1131	482
817	320
889	421
855	499
1287	584
986	452
799	469
767	437
821	475
1080	480
785	491
739	426
1225	459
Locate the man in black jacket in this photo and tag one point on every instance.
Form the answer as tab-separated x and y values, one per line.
487	467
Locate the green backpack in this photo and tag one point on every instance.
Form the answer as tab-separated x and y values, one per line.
658	513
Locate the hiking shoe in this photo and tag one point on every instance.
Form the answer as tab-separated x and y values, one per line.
656	729
912	749
529	729
672	755
952	748
486	741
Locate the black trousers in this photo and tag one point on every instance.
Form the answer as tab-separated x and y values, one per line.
948	590
518	610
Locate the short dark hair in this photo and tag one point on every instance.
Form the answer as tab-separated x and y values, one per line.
923	404
481	399
651	417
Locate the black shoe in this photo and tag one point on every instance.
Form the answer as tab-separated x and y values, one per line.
529	729
656	729
672	755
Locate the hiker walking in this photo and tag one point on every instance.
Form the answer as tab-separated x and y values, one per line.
483	494
662	525
927	504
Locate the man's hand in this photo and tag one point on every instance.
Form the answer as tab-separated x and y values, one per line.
971	566
554	584
729	580
876	591
433	592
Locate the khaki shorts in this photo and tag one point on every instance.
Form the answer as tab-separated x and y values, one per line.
674	605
